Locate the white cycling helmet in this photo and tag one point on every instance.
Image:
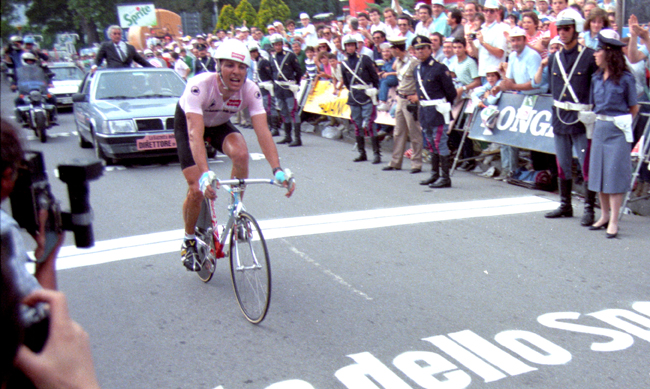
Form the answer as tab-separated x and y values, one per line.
568	17
234	50
275	38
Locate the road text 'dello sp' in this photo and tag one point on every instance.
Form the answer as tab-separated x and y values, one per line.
489	360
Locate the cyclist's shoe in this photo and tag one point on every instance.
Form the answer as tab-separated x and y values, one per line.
190	255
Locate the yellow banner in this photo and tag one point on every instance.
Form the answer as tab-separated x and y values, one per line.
323	101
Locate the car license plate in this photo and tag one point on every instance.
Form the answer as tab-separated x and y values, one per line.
155	142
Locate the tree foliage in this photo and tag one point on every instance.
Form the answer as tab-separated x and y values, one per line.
271	10
246	12
227	18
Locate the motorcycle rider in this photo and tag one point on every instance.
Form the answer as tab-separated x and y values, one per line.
30	76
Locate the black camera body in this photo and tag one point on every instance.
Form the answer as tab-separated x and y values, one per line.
472	36
32	193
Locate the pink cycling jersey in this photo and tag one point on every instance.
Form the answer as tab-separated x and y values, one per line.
202	96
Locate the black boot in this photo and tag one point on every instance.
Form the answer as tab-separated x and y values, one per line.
444	181
376	150
273	125
588	214
361	146
287	134
565	209
435	160
296	136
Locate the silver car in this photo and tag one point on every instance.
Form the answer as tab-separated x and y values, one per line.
128	113
66	81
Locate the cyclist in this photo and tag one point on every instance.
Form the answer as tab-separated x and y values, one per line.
203	115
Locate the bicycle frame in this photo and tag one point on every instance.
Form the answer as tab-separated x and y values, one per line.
235	187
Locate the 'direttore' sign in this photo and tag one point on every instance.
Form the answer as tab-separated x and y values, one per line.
137	15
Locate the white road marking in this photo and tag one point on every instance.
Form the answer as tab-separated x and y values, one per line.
327	271
170	241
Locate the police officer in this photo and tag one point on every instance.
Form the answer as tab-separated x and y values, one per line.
286	75
204	62
570	71
361	78
406	121
262	75
436	92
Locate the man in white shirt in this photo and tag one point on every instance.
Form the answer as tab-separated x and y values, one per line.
490	40
180	66
390	18
309	35
376	23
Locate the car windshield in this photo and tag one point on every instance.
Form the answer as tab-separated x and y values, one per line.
138	85
67	73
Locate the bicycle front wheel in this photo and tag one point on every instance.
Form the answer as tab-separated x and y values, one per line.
250	268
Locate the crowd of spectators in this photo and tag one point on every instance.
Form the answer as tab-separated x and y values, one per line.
490	47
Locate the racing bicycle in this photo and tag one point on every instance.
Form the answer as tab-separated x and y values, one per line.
241	240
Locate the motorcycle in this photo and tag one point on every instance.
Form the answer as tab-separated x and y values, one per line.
36	113
32	106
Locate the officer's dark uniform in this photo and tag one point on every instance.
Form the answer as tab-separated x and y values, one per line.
265	73
568	131
206	64
436	81
363	112
286	69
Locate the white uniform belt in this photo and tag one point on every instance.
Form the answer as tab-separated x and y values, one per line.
569	106
358	86
605	118
430	103
284	83
622	122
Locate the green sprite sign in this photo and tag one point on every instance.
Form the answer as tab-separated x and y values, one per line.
137	15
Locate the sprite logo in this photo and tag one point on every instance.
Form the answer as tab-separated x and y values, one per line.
132	19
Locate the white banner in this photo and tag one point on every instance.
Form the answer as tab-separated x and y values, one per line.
137	15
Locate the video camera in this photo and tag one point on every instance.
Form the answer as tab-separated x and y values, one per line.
32	193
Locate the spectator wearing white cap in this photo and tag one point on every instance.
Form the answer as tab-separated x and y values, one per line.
308	32
490	40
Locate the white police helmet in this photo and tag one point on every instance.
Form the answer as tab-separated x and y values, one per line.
253	46
349	39
275	38
568	17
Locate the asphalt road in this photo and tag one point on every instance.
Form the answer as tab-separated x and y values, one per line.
388	285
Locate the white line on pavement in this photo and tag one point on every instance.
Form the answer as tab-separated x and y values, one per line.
170	241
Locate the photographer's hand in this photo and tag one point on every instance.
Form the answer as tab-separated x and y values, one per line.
66	359
46	269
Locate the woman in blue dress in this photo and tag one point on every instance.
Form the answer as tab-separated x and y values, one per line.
613	94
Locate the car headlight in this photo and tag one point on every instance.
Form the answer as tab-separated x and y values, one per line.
121	126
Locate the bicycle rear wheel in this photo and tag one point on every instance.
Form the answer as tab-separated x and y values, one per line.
250	268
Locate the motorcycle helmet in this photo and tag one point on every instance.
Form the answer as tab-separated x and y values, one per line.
16	39
28	56
29	40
